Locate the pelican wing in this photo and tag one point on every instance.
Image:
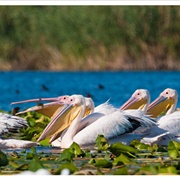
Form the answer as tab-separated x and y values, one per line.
110	126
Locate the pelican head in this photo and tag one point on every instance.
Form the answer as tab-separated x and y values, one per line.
47	109
73	108
165	103
140	99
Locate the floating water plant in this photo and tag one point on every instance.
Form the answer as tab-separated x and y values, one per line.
102	159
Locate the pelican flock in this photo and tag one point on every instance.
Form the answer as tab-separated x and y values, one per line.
74	118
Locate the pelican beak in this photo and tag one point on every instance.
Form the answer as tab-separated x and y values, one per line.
61	120
159	105
38	100
47	109
54	137
134	103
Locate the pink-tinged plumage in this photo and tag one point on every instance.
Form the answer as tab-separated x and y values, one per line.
111	126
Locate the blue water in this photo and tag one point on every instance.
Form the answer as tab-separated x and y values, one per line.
118	86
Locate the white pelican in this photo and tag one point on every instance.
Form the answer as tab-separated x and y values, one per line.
50	109
168	125
93	114
111	126
9	124
140	99
16	143
136	106
89	109
168	128
165	104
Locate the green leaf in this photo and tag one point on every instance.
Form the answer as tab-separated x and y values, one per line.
45	142
3	159
122	159
101	143
176	144
75	148
72	168
103	163
66	155
168	170
73	151
121	171
29	155
23	167
35	164
139	145
172	150
148	170
14	164
119	148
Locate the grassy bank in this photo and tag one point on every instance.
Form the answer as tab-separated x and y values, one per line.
89	37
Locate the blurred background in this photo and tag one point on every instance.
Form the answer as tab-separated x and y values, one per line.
94	38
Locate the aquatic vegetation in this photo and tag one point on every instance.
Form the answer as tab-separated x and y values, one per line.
37	123
115	159
103	159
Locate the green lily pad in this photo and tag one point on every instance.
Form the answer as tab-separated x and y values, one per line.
139	145
66	155
3	159
168	170
35	164
148	170
119	148
103	163
172	150
75	148
101	143
70	166
121	171
122	159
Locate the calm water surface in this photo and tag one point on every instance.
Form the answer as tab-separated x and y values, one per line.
118	86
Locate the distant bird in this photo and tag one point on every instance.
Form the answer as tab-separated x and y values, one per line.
100	86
